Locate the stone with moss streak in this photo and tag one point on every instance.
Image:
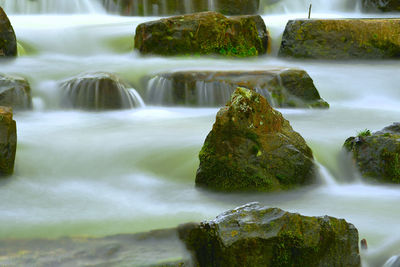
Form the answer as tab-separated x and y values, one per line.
253	148
282	87
8	141
203	34
253	235
377	155
8	41
342	39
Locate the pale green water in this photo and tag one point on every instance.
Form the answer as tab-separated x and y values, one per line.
80	173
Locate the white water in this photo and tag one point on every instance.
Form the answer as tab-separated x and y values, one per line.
80	173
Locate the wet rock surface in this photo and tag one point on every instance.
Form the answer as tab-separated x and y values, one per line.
282	87
341	39
203	34
155	249
377	155
8	41
15	92
253	235
98	91
379	5
8	141
253	148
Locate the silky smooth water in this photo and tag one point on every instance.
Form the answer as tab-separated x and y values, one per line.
83	173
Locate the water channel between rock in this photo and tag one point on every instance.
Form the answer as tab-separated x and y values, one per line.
82	173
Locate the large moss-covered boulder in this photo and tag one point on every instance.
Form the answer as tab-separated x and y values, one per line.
203	33
98	91
377	155
379	5
8	41
252	147
8	141
282	87
257	236
342	39
15	92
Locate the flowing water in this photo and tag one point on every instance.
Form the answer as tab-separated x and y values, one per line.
83	173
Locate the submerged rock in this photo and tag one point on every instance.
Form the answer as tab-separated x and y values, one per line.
8	41
8	141
252	147
203	33
281	87
258	236
341	39
98	91
379	5
377	155
15	92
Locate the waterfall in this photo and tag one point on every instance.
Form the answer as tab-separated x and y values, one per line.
51	6
98	91
164	90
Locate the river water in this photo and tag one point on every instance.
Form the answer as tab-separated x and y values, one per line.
83	173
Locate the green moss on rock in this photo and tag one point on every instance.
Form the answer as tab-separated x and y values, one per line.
342	39
203	33
253	148
377	155
8	41
253	235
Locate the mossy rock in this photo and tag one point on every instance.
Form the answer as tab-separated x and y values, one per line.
8	141
253	148
257	236
377	155
205	33
341	39
382	6
282	87
97	91
8	41
15	92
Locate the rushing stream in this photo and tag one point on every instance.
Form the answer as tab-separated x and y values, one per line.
83	173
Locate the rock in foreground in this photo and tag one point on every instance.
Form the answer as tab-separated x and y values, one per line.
8	141
8	41
342	39
15	92
379	5
282	87
253	148
258	236
203	34
377	155
98	91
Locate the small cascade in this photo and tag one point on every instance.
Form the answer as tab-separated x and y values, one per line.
163	90
393	262
98	91
51	6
